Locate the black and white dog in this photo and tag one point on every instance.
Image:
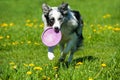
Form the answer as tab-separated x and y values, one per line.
70	23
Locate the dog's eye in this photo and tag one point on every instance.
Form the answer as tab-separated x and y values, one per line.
52	20
60	18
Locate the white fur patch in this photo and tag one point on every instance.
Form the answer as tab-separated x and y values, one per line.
56	15
50	56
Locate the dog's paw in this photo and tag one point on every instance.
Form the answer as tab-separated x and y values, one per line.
50	55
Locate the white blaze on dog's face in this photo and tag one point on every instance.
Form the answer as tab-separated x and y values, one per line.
56	17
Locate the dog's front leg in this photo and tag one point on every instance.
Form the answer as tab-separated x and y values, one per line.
66	51
61	47
50	53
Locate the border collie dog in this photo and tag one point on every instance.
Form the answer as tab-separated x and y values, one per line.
70	23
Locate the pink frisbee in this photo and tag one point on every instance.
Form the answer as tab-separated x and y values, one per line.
50	37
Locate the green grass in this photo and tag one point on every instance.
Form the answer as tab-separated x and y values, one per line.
24	57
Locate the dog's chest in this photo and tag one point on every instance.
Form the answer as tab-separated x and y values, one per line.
67	30
68	26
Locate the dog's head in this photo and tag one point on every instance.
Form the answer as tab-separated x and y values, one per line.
55	15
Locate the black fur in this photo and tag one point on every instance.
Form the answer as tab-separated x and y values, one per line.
80	25
49	22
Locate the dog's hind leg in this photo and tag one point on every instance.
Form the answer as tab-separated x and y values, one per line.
50	53
61	47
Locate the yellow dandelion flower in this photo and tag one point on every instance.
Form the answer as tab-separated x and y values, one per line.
21	42
14	67
36	43
30	24
106	26
110	27
104	17
48	78
91	25
28	20
108	15
37	68
116	29
55	67
29	73
14	43
31	65
90	79
27	24
56	75
12	63
11	24
103	65
29	42
1	37
79	63
98	25
42	25
4	25
7	36
94	30
26	65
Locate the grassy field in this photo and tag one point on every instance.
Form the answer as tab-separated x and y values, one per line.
24	57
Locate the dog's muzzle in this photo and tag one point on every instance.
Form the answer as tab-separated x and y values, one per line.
56	29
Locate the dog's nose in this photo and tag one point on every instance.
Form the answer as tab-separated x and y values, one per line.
56	29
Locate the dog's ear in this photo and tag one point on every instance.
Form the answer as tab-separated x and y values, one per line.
46	9
63	8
